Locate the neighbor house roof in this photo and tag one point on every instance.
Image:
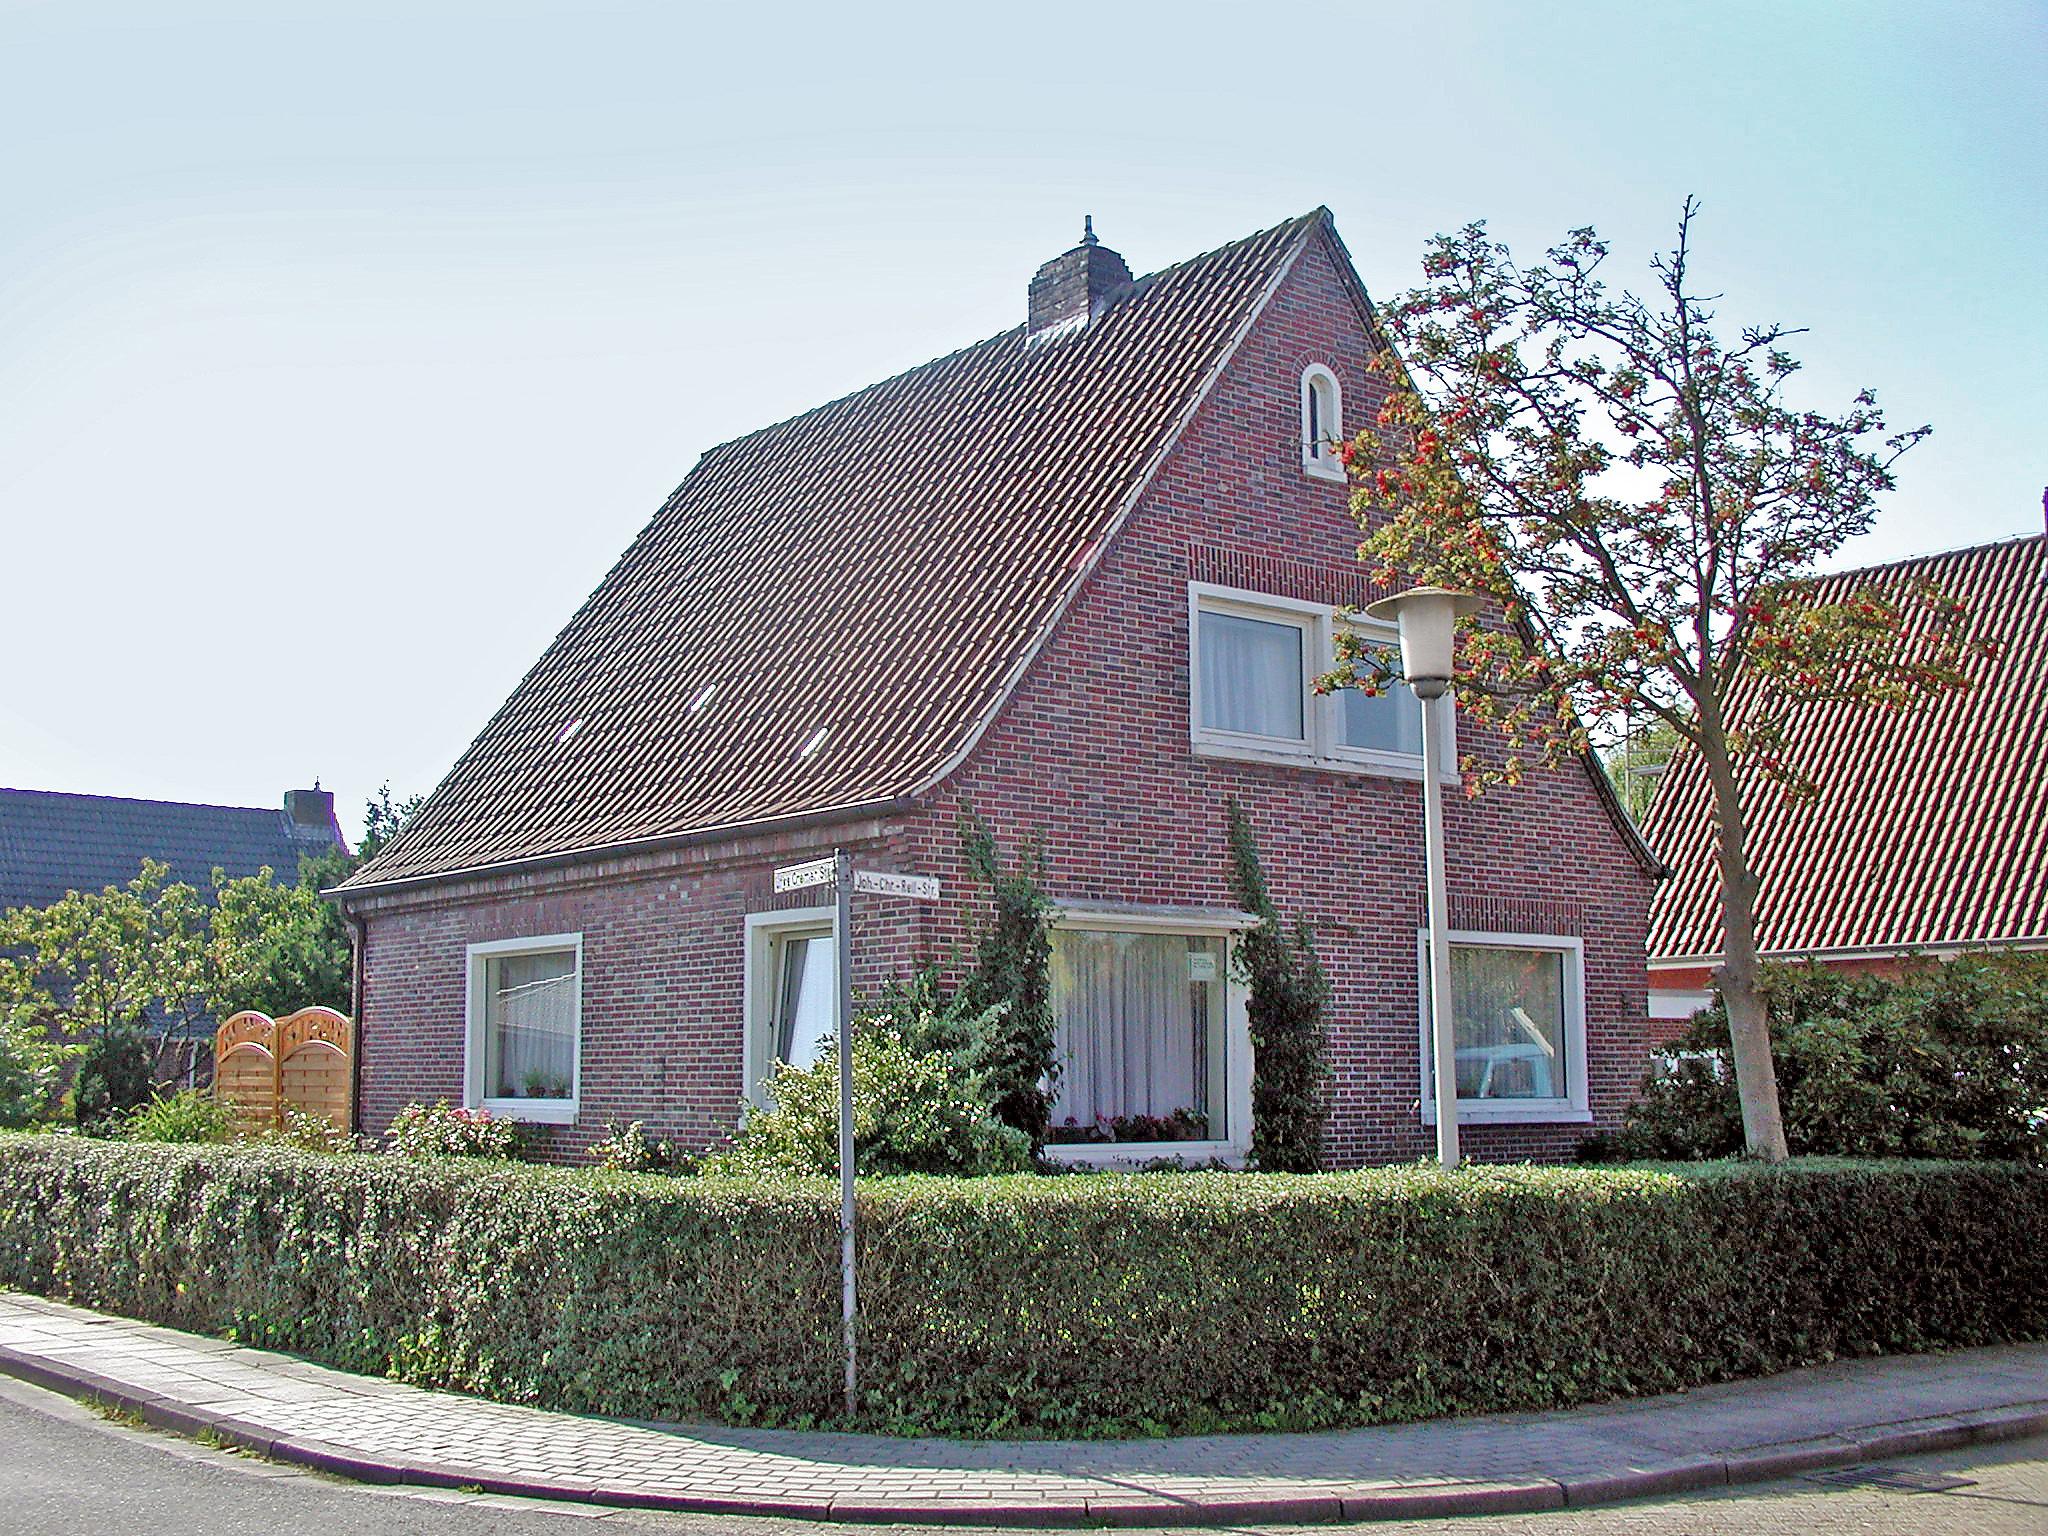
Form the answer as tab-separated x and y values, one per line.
1931	827
825	613
51	842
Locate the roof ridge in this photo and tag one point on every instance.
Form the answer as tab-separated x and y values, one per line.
189	805
1320	211
1932	554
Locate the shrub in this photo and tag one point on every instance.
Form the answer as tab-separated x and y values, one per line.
114	1077
1285	1013
1013	972
1948	1060
438	1130
629	1149
313	1133
913	1112
191	1116
1114	1303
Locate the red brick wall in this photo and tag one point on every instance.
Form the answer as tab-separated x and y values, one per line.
663	979
1091	758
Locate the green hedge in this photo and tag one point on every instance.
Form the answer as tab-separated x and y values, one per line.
1036	1306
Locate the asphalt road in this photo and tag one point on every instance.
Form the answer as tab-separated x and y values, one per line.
64	1470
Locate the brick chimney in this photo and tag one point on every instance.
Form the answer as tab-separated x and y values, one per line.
1076	287
309	814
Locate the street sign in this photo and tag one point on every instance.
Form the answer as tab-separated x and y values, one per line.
794	877
879	882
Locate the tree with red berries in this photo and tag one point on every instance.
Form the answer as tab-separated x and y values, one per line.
1648	510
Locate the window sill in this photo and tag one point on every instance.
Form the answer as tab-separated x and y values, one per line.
1502	1112
537	1111
1359	766
1134	1154
1331	472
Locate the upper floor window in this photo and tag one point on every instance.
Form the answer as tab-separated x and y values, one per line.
1322	423
1255	661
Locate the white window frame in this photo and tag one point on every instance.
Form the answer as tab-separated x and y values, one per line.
1319	454
1322	745
539	1111
765	933
1575	1106
1237	1043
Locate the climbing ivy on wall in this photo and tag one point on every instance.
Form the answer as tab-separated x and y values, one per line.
1013	969
1289	992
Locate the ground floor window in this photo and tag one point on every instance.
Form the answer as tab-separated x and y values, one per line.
792	970
1518	1024
525	1023
1142	1035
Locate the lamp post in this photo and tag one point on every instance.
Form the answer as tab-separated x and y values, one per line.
1427	618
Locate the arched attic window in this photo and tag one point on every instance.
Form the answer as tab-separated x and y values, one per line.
1322	423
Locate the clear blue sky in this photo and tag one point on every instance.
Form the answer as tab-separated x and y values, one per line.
341	353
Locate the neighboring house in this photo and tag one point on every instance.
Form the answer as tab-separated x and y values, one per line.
52	842
1079	577
1930	832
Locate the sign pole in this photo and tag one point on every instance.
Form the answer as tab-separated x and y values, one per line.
842	950
838	872
1442	1026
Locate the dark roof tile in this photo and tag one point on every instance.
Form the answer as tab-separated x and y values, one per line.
862	580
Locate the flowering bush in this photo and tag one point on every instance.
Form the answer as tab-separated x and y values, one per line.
313	1133
629	1149
1181	1125
442	1130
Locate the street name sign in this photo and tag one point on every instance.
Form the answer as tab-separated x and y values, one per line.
879	882
795	877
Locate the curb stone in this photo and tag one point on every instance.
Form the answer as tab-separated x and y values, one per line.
1752	1464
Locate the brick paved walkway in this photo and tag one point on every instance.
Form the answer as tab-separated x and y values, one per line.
388	1432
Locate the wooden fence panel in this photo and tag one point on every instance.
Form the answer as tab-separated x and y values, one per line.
315	1064
304	1061
245	1070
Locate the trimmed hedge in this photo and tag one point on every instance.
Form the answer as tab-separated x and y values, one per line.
1028	1306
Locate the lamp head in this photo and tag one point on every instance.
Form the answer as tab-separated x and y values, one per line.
1426	618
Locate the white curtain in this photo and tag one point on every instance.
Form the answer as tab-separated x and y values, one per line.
1508	1022
1251	675
1134	1033
1391	722
530	1013
803	1014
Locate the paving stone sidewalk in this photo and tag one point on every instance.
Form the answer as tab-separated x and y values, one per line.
387	1432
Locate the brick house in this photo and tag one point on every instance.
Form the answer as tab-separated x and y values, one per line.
1077	577
1929	832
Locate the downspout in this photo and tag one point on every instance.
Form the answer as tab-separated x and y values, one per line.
358	939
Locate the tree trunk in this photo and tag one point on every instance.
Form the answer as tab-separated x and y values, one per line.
1749	1030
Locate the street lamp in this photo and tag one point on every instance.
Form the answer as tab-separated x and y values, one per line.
1426	618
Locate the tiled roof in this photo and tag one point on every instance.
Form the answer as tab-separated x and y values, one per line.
825	612
1930	828
51	843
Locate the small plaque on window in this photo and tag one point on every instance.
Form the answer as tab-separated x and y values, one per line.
1201	965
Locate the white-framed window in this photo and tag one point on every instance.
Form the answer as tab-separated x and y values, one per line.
1518	1027
792	969
1322	423
1151	1037
1254	661
523	1052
